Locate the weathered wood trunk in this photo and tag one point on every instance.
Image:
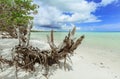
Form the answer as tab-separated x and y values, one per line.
24	35
27	56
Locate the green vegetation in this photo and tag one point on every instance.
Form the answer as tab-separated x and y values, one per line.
14	14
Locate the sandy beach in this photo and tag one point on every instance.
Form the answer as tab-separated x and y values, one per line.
59	39
90	61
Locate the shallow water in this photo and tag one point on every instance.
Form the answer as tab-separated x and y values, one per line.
103	40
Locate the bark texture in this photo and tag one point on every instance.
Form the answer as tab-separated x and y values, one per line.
26	56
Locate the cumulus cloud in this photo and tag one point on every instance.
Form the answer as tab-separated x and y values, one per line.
52	12
47	15
106	2
107	27
66	27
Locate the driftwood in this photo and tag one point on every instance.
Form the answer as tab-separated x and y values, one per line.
25	56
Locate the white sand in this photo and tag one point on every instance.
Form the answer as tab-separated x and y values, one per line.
89	62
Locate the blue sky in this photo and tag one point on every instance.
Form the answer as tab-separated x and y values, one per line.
86	15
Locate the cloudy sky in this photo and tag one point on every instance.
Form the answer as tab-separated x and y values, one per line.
86	15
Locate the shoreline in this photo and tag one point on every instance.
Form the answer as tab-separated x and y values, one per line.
88	62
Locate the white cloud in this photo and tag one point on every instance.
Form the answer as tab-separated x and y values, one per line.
69	27
111	27
51	12
107	27
106	2
47	15
77	17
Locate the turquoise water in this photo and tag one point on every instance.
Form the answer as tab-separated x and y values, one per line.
103	40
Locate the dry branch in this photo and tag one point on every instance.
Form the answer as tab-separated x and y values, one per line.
27	57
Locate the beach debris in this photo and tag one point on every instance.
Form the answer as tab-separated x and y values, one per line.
25	56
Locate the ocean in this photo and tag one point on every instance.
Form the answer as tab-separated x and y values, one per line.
103	40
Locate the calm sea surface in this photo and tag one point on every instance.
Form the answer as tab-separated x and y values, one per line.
109	40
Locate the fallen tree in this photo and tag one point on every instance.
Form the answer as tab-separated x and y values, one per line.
25	56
